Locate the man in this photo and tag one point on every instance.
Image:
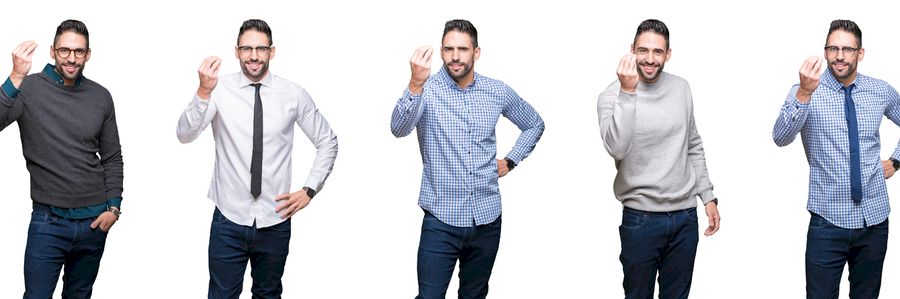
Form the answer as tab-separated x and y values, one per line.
70	141
838	114
456	111
252	115
647	126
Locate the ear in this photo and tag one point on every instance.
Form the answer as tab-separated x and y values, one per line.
52	54
477	54
237	53
668	54
862	53
86	57
272	53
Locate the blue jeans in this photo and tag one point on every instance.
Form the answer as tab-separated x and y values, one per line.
440	245
829	247
658	242
54	243
231	245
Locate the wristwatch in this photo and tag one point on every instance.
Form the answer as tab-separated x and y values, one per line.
896	164
115	210
310	192
510	164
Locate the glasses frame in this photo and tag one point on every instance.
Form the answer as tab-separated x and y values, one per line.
69	52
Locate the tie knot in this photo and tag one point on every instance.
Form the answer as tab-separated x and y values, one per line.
257	85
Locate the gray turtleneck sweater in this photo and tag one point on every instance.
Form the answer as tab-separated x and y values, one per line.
652	137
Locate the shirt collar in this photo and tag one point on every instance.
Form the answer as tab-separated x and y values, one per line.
831	82
445	77
266	81
50	71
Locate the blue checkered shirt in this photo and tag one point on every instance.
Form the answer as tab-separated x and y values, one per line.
458	144
823	128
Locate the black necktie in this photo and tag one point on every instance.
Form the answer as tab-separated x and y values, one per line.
256	160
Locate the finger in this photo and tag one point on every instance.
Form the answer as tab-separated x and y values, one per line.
282	196
204	65
95	223
632	63
623	63
817	68
428	54
29	50
214	66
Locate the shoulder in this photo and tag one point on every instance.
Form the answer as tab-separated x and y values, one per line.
95	88
675	80
874	83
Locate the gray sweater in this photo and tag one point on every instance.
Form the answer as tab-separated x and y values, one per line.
655	144
63	130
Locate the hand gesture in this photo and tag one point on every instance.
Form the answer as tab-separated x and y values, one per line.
21	58
291	203
627	72
420	67
810	72
209	76
888	166
712	212
502	167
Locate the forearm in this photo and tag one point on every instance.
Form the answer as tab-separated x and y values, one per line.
406	114
193	120
790	120
617	116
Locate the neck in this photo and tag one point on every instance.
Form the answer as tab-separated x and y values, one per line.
464	82
847	81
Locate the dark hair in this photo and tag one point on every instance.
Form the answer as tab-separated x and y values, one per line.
653	25
848	26
464	27
72	26
256	25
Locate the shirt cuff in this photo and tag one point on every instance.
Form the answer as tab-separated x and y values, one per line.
9	89
114	202
707	196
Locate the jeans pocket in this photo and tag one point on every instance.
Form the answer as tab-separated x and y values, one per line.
633	220
816	221
692	215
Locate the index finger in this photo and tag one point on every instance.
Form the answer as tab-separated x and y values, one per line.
428	53
214	66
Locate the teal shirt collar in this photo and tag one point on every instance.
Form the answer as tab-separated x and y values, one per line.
50	71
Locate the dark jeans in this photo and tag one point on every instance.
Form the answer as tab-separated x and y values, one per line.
231	245
441	245
829	247
658	242
54	243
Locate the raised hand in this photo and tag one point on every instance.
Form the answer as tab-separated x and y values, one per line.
810	72
627	72
209	76
420	67
21	58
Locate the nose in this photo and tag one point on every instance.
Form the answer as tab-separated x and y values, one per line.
253	54
455	54
840	54
71	57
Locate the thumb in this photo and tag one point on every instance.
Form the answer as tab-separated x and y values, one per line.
95	223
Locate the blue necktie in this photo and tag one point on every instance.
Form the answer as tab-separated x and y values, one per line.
853	132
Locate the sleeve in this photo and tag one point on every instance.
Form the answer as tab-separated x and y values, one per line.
697	157
790	120
409	110
617	112
196	117
316	128
10	108
111	154
893	113
526	119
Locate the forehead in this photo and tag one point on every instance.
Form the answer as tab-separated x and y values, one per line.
650	40
253	38
71	40
456	39
841	38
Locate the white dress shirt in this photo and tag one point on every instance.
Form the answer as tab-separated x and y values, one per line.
230	110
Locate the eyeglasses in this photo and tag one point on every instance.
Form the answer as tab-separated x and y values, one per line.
261	50
65	52
832	50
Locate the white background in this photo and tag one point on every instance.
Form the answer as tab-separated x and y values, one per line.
358	238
